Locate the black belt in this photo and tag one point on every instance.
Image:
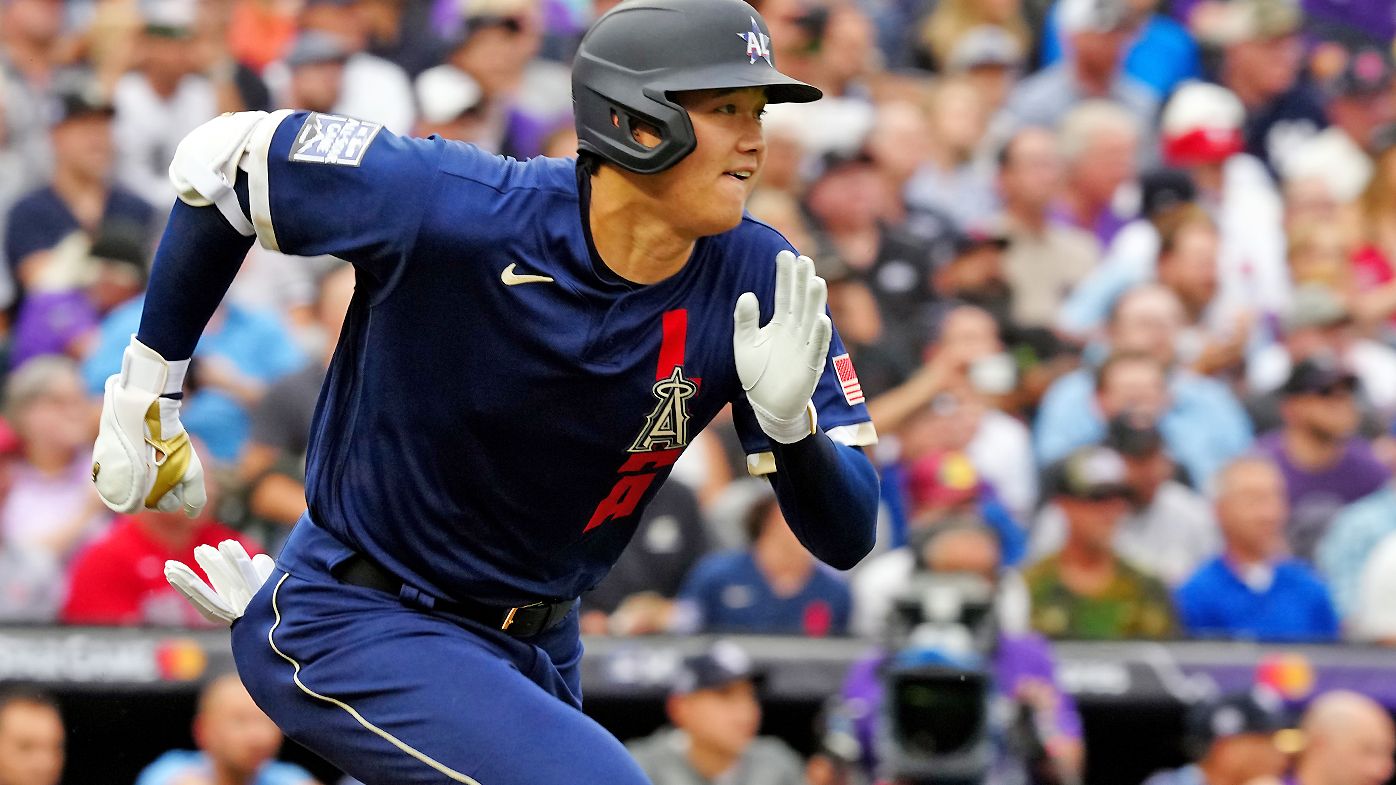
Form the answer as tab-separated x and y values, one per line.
522	621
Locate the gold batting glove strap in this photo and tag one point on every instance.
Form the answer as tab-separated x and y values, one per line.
143	457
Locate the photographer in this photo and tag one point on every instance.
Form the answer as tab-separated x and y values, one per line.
1034	729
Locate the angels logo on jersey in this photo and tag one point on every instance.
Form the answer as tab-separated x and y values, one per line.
667	426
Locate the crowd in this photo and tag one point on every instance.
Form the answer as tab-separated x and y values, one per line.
1118	278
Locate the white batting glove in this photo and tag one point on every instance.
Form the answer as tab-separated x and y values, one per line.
234	576
780	364
143	457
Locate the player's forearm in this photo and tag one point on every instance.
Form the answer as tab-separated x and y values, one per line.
194	266
828	493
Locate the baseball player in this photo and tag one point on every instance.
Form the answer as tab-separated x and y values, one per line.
530	347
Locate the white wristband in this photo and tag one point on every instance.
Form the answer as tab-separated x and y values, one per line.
787	431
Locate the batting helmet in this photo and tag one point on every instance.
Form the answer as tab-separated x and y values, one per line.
641	51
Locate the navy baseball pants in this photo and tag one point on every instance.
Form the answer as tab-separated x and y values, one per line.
394	695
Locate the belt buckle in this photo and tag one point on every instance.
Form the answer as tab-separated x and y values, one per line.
509	617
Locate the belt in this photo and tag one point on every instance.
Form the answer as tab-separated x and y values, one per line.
521	621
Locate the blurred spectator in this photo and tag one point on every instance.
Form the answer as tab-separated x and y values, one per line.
402	32
316	68
374	89
899	146
1168	530
1321	325
953	21
451	103
1100	144
1348	546
1324	463
51	504
1203	134
1211	341
31	54
80	195
119	579
64	321
1356	83
1348	740
273	464
240	354
1373	616
1374	261
32	738
526	98
236	741
1022	666
636	596
773	587
943	485
1261	64
1252	590
1045	259
1095	32
881	363
1201	421
1132	257
974	275
1086	590
160	101
715	716
847	201
1161	52
1232	739
31	575
953	179
991	59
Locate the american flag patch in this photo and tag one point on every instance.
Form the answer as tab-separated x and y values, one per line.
848	379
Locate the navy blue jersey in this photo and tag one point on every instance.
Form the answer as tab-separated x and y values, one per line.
501	406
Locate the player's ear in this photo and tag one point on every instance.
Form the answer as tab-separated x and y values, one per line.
641	131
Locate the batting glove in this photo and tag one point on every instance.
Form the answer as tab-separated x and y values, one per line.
780	364
143	457
234	576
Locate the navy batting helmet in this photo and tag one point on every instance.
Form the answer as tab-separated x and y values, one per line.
641	51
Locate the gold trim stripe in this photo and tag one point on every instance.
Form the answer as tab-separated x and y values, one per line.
454	775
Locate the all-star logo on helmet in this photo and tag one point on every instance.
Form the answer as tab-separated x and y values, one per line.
758	44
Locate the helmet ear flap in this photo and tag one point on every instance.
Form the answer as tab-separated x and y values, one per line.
607	127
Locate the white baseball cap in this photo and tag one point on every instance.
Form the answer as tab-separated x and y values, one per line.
446	92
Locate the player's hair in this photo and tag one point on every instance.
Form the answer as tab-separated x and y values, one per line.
25	695
1172	224
588	162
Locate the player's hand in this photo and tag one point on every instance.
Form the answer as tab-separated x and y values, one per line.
780	364
143	457
235	578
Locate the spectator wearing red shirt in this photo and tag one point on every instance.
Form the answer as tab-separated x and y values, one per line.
120	578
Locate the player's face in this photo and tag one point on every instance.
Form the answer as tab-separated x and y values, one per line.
708	189
723	719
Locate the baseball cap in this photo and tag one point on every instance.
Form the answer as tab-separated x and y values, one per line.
169	18
445	92
942	479
1097	16
312	47
985	46
723	663
79	96
1202	125
1254	20
975	237
1133	435
1094	473
1164	189
1257	711
1316	305
1318	374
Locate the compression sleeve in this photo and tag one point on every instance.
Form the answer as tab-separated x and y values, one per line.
828	492
198	257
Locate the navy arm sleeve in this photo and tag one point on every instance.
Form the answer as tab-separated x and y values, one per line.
194	266
828	492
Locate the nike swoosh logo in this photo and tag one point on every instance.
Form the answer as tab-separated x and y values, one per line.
511	278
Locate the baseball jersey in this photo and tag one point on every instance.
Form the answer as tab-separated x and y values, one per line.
501	406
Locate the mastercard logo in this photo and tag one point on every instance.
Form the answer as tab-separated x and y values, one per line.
1291	676
181	659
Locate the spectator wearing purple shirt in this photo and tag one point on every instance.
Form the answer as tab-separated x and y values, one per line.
1325	465
1021	667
